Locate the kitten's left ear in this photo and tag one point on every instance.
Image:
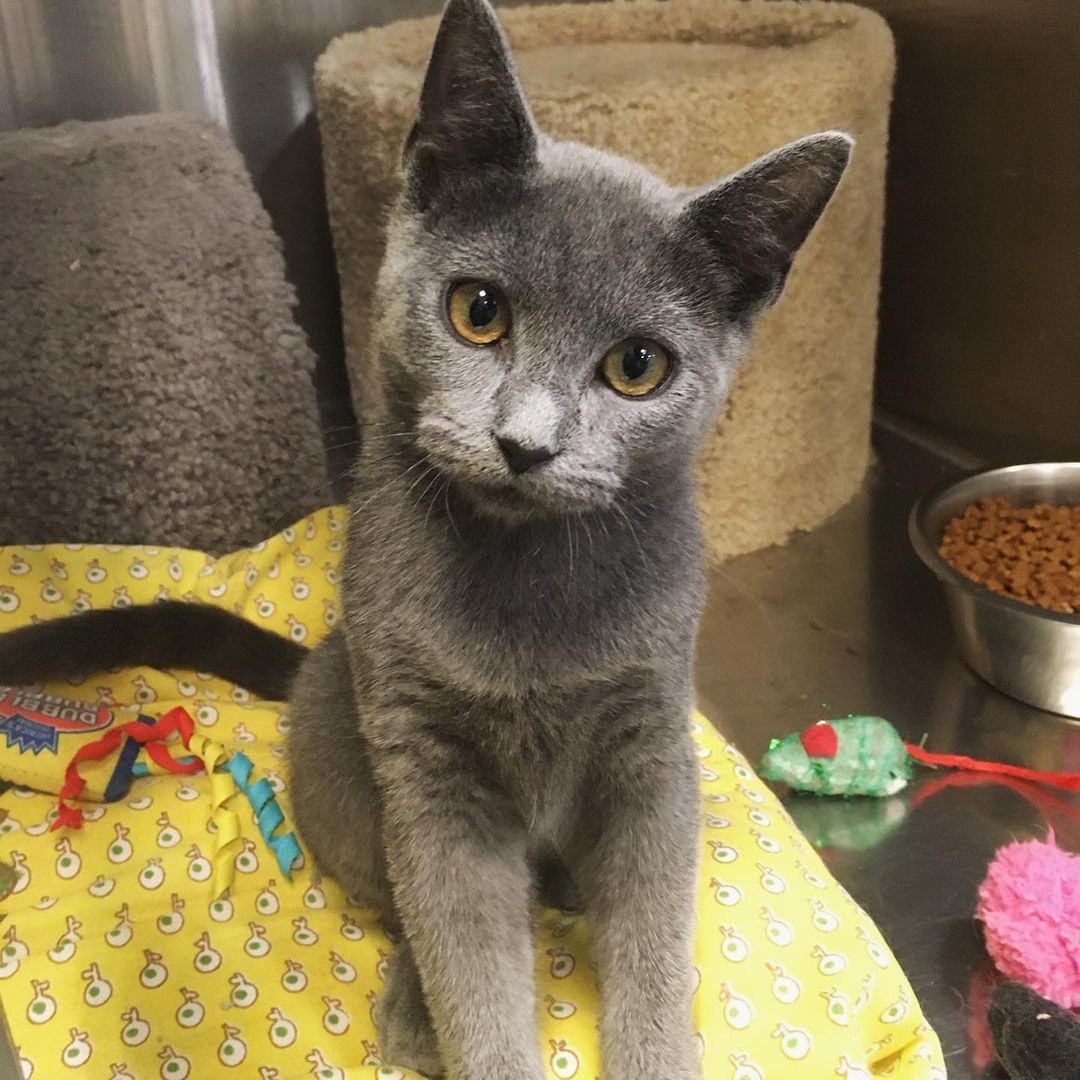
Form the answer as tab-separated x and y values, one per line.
757	218
473	112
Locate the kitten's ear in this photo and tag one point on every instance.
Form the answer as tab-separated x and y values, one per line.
473	113
757	218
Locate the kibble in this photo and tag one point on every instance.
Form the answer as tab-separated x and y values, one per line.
1030	553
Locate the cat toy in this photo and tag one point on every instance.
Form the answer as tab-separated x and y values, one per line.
1029	905
1035	1039
865	755
230	775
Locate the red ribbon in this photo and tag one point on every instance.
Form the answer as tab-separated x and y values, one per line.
152	736
1065	780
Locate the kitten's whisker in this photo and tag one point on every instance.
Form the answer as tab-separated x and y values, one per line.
419	479
343	445
377	435
379	490
633	532
432	484
339	427
592	546
603	524
449	514
569	553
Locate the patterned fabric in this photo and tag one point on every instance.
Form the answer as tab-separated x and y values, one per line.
116	961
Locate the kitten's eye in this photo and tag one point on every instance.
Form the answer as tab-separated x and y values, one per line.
479	312
636	367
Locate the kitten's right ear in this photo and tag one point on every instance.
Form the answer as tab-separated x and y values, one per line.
473	113
757	218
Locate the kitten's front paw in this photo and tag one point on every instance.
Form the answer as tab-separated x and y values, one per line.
406	1035
409	1048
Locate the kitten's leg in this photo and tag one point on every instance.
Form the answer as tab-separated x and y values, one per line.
332	788
457	858
638	871
331	784
338	811
406	1034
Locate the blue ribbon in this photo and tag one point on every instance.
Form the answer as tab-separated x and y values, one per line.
268	815
140	769
126	767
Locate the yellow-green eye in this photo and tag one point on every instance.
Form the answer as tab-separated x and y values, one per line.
636	367
479	312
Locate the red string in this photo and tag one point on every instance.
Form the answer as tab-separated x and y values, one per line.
152	736
1065	780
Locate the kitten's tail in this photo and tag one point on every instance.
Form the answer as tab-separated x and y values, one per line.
162	635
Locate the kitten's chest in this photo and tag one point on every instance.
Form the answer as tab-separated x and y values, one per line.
519	613
500	634
538	751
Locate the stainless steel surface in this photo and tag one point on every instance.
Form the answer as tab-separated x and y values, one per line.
1027	652
845	619
245	63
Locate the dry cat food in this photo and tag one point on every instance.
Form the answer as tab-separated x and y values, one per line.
1031	553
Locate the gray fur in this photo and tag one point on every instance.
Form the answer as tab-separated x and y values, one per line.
512	679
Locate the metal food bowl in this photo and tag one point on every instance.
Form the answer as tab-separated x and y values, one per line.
1028	652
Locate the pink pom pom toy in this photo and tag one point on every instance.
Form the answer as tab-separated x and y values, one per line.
1030	907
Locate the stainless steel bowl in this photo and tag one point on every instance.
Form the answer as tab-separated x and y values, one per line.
1029	653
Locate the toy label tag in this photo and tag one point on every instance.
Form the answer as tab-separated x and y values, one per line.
34	721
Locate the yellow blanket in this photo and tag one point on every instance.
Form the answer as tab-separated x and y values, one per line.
117	962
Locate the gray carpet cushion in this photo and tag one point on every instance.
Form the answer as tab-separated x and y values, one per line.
154	385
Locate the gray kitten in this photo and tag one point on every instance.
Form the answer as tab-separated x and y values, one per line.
509	691
556	329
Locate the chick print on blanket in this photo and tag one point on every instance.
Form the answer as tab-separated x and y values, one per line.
118	962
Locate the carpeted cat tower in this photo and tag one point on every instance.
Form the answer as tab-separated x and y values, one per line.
693	89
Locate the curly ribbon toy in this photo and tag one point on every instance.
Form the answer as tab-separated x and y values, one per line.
230	775
224	820
268	814
151	735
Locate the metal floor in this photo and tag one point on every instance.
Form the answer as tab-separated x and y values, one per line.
845	619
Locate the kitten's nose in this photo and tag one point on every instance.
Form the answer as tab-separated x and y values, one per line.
522	458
